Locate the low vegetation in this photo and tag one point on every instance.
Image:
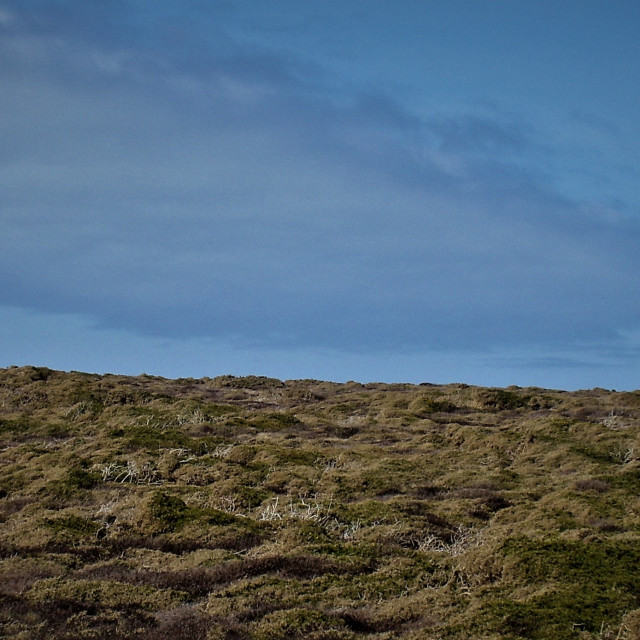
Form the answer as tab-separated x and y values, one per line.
150	509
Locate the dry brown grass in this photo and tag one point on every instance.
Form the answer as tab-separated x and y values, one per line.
228	507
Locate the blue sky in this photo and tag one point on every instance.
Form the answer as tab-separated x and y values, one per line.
396	191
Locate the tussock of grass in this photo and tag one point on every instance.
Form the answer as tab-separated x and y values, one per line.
250	507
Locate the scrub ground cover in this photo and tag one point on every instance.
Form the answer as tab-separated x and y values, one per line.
229	507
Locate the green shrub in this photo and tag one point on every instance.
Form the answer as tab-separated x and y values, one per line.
79	478
562	614
426	405
72	525
169	511
251	497
596	582
248	382
276	421
153	438
300	624
20	426
217	410
500	399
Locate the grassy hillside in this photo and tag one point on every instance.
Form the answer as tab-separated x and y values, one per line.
148	508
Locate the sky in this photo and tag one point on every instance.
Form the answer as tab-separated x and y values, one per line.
399	191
